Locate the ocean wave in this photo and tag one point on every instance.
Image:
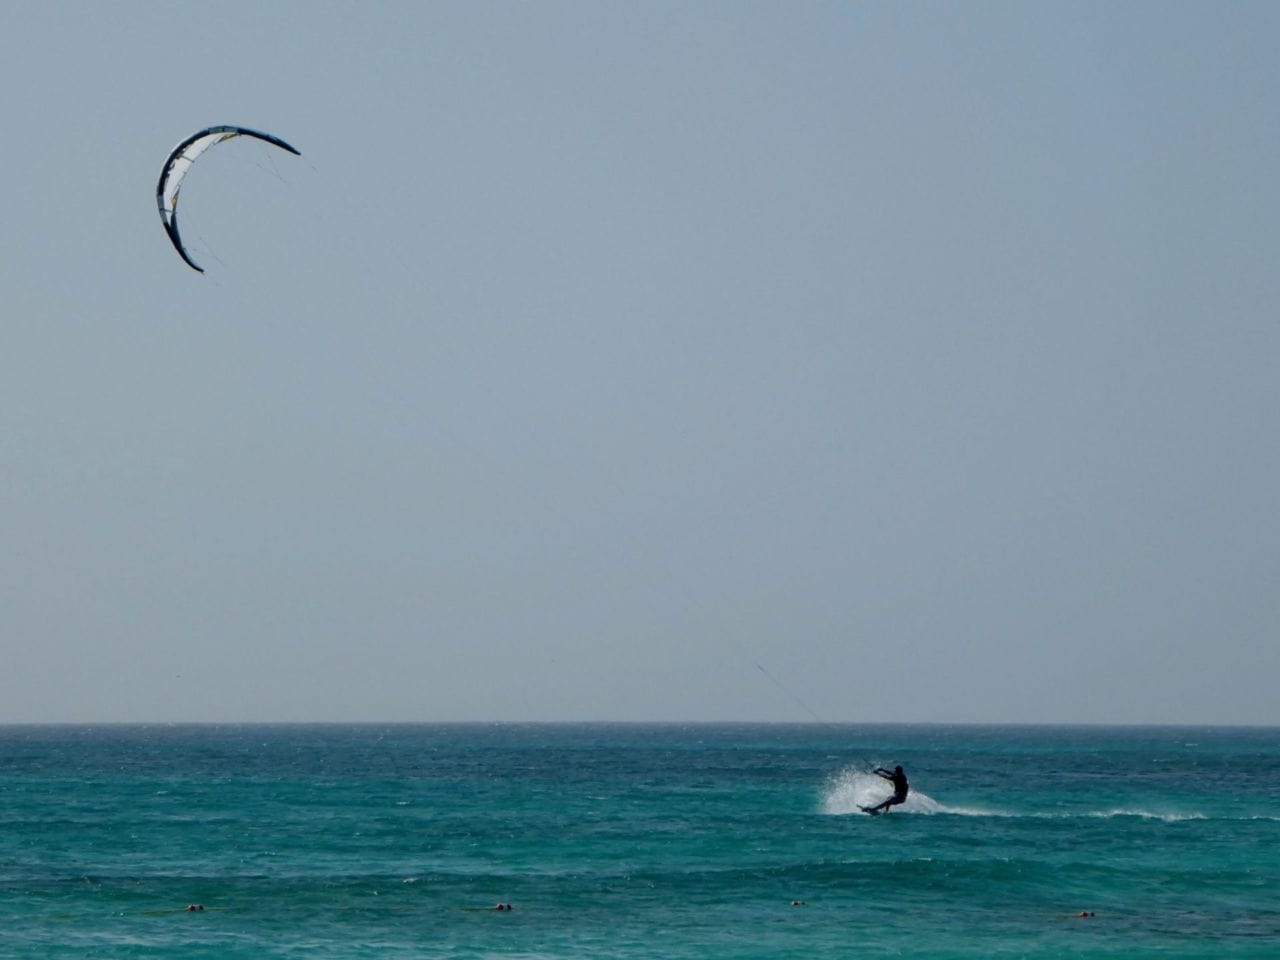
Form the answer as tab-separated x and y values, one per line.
1165	816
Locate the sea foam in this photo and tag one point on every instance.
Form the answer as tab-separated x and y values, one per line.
853	788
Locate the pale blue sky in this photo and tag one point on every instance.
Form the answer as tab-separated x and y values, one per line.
643	361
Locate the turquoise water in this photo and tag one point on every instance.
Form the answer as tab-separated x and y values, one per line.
637	841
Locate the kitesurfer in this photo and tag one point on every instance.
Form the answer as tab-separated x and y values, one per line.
900	789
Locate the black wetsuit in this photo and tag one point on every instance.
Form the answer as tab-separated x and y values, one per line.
900	789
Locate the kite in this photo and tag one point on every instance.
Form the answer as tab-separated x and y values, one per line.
180	161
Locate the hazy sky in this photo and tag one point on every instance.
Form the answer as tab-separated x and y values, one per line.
691	361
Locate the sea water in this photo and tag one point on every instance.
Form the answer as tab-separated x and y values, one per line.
637	841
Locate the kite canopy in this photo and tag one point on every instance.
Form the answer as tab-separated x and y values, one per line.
180	161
